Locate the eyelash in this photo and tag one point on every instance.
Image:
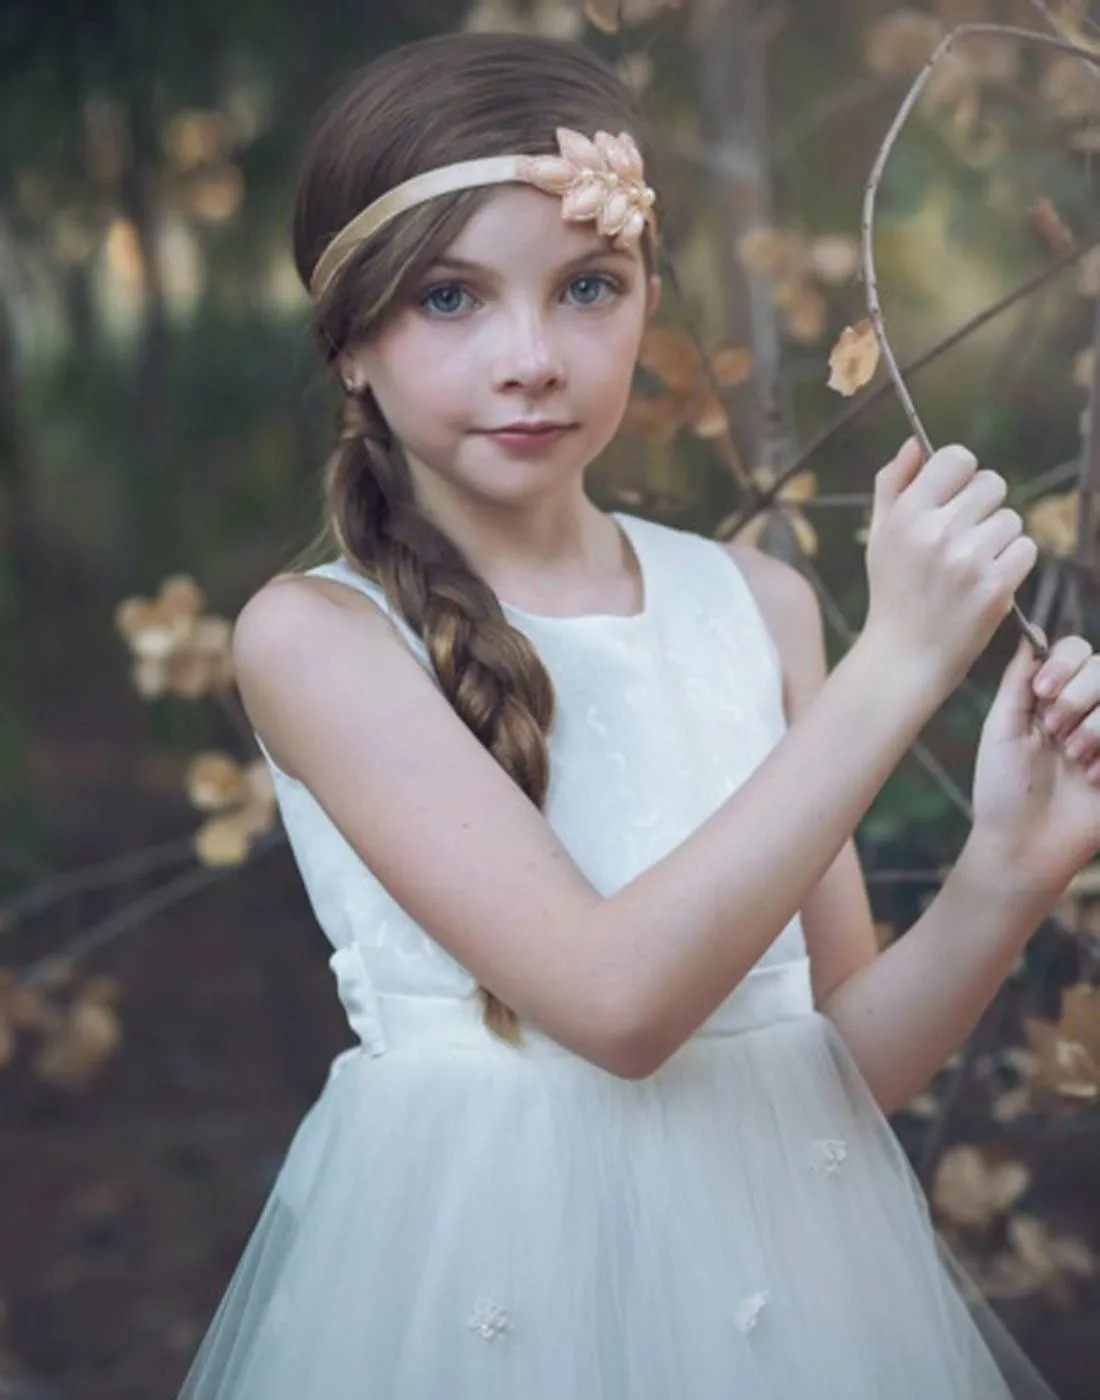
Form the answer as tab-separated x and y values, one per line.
613	284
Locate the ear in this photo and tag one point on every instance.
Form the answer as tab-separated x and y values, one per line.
352	371
652	295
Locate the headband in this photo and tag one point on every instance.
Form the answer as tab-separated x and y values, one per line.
601	179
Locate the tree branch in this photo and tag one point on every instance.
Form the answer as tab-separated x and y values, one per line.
859	406
874	304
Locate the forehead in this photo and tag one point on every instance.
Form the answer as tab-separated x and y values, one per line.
518	222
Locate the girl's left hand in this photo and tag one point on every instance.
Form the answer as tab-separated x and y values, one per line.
1037	777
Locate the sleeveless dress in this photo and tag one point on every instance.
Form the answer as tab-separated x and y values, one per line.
460	1219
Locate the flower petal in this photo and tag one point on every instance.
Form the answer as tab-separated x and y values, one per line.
636	169
584	200
632	229
618	156
548	173
578	150
614	212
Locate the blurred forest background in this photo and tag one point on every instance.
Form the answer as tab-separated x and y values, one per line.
166	1012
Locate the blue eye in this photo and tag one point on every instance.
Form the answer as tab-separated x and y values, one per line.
445	299
596	283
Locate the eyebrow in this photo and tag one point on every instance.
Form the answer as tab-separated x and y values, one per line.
598	250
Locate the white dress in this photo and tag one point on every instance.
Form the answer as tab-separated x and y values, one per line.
458	1219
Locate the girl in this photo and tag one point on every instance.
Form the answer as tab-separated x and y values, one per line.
573	800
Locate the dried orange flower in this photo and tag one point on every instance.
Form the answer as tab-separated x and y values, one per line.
176	650
1069	1050
602	179
972	1191
243	799
1052	522
854	358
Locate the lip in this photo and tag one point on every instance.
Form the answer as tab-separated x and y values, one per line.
528	436
531	427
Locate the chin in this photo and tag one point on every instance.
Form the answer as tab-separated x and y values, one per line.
512	482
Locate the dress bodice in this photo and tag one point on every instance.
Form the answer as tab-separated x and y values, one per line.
660	715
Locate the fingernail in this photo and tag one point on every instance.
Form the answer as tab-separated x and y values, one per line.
1075	748
1044	683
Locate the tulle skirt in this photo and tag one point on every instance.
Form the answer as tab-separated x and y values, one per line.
460	1220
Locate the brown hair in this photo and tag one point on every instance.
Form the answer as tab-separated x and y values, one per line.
427	104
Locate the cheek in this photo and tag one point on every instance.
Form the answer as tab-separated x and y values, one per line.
603	366
418	385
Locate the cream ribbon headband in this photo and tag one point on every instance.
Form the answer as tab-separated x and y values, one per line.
601	179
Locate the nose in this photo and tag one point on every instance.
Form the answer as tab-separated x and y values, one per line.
528	354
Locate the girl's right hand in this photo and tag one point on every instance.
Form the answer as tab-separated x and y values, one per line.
945	557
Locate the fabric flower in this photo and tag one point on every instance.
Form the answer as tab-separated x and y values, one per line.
601	179
829	1155
489	1319
748	1311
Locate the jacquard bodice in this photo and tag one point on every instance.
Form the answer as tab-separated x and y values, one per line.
660	715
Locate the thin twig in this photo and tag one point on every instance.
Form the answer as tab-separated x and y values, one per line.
1046	594
1039	485
93	939
841	499
101	875
874	305
1061	28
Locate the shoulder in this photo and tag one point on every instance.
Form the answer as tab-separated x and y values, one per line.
783	595
292	637
286	613
791	612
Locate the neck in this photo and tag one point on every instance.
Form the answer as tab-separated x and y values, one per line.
562	550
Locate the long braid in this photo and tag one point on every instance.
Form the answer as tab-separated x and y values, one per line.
487	669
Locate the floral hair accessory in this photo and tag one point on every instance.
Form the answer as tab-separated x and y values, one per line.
601	179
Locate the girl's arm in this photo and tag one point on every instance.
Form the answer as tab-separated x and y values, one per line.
905	1011
904	1014
624	980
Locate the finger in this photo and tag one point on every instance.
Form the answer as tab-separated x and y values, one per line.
892	479
1010	714
993	536
1067	656
1079	694
977	500
1081	744
1015	562
942	477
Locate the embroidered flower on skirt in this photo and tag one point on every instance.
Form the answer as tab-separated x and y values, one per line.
829	1155
748	1311
489	1319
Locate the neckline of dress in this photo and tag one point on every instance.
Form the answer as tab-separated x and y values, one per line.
628	619
626	524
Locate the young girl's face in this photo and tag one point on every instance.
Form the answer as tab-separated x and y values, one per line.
526	323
